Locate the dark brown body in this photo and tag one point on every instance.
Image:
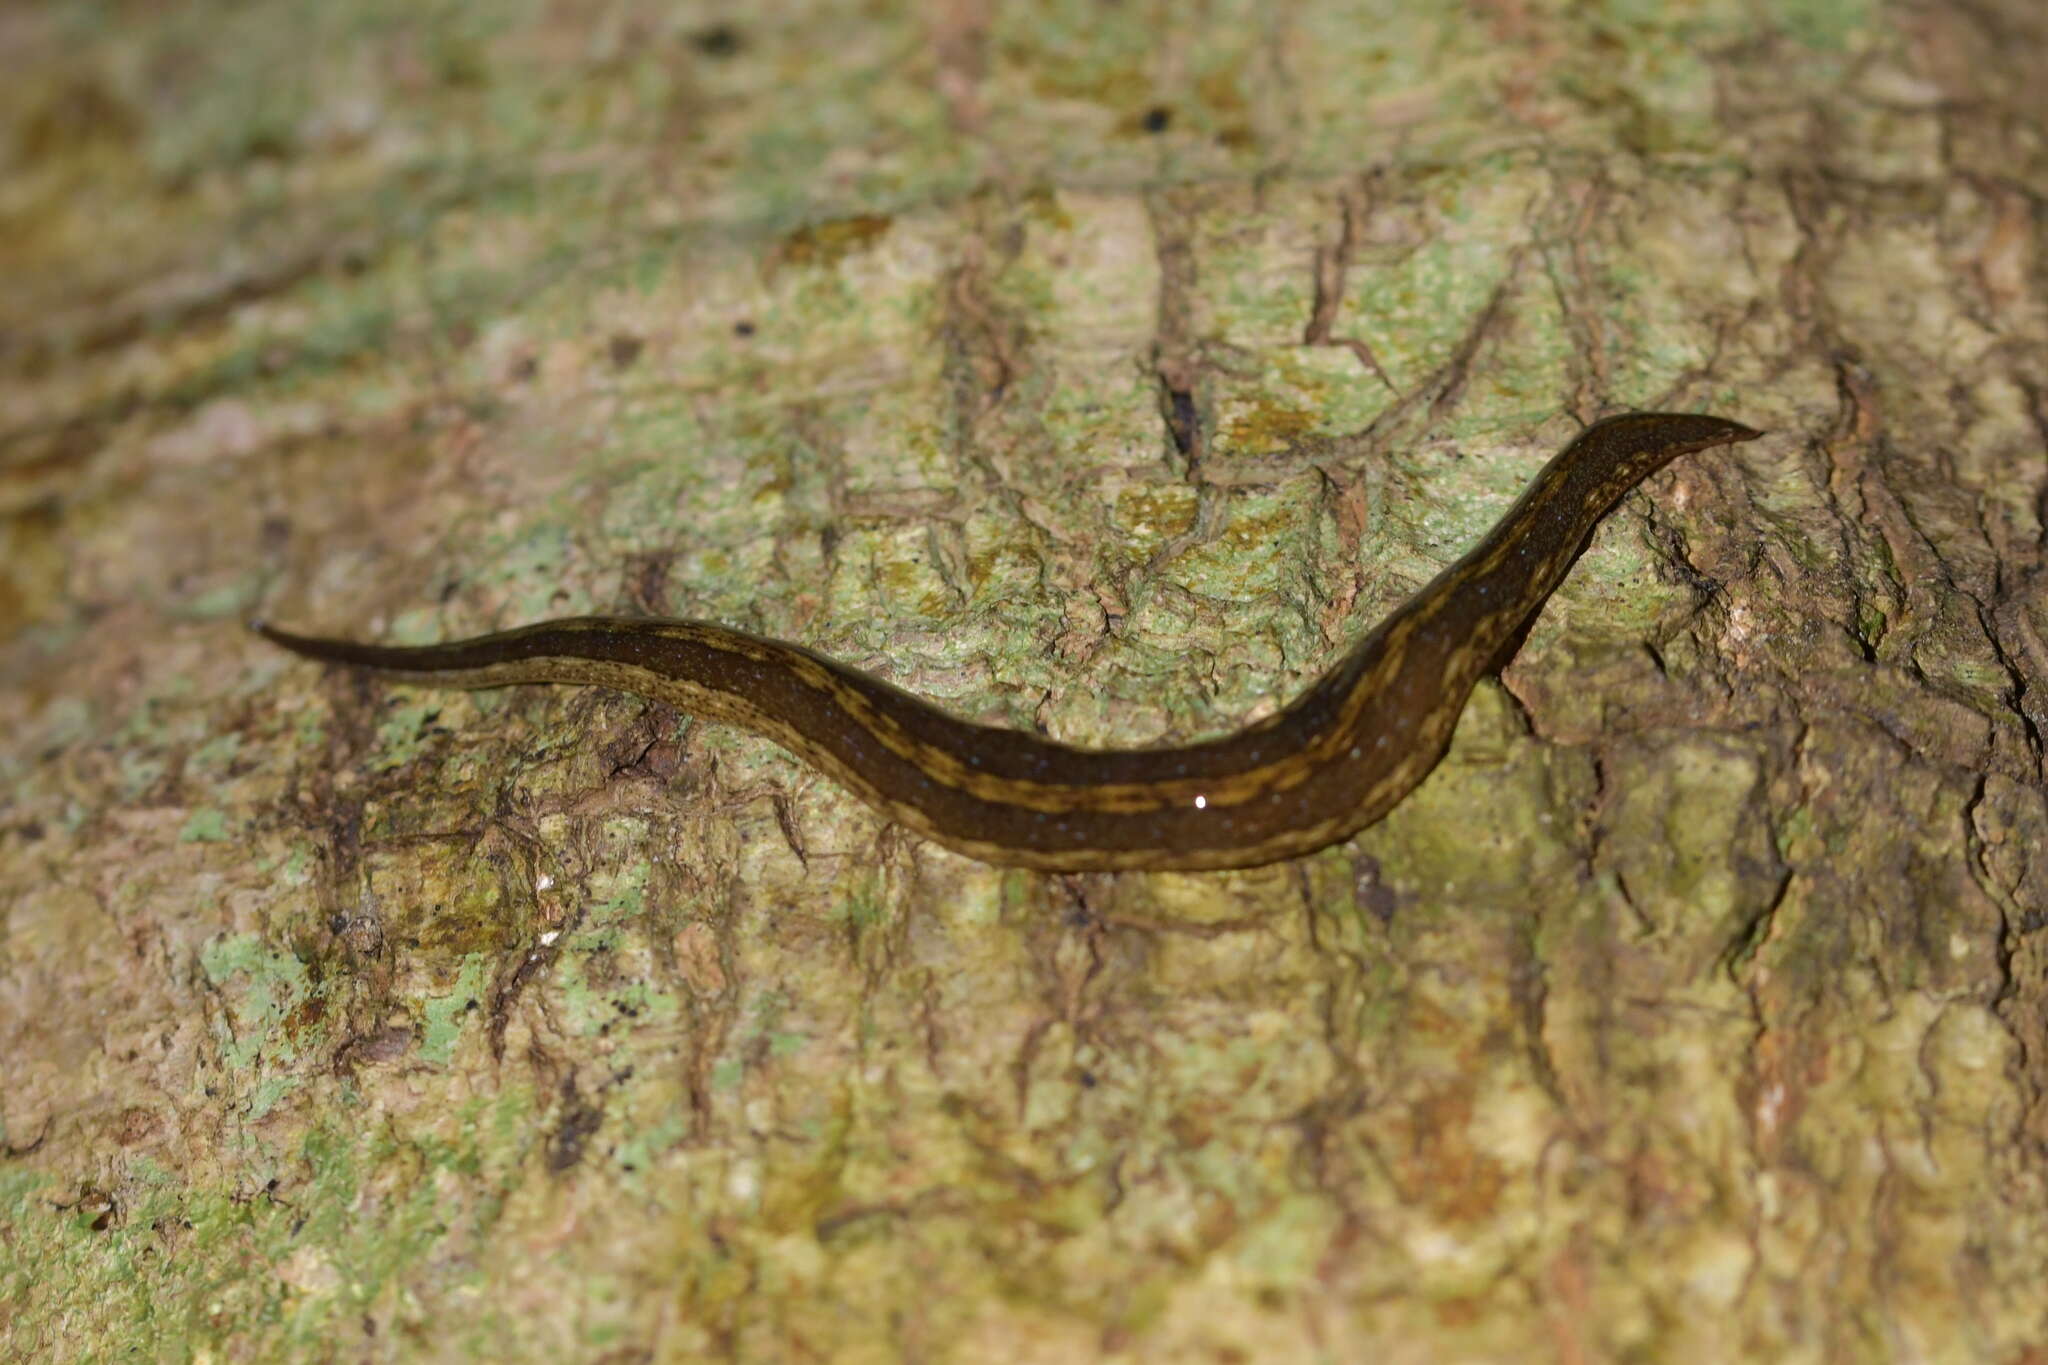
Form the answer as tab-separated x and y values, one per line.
1336	759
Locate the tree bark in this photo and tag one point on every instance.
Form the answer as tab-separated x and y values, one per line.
1106	370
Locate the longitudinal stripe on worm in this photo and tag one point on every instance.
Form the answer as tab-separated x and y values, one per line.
1329	763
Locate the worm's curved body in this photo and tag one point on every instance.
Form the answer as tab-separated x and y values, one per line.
1331	762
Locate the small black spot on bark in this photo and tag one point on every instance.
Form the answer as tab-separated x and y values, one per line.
580	1119
719	41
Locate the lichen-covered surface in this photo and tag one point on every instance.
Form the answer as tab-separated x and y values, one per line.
1100	367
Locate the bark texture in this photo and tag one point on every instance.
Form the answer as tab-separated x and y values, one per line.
1100	367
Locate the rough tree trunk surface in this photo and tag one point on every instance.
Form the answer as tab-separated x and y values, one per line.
1106	368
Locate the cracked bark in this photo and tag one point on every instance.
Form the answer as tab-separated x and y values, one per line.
1693	1011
